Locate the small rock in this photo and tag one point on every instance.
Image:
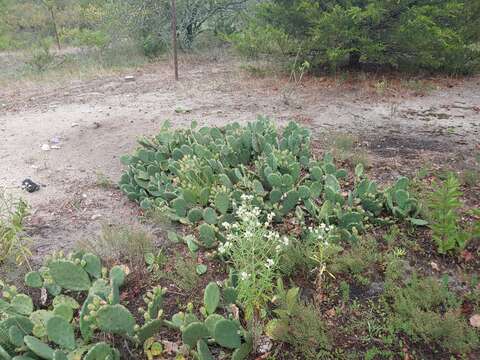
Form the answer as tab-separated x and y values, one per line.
96	217
475	320
45	147
129	78
55	147
434	266
84	196
55	140
264	344
74	124
376	289
30	186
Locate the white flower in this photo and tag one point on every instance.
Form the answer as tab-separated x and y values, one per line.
244	275
286	241
270	263
226	225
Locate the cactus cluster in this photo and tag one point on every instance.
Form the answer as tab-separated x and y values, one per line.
197	175
64	329
224	331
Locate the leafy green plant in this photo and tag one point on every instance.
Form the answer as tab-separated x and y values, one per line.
444	205
155	262
298	324
254	252
14	243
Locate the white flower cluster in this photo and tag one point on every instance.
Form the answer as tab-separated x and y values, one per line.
322	231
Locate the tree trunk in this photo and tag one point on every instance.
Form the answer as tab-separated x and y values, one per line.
174	38
55	30
354	59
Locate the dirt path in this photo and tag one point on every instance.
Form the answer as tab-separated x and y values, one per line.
94	122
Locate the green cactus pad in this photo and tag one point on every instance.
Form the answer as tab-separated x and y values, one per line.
230	295
222	202
226	334
180	207
211	321
210	216
242	352
316	173
275	195
69	275
290	201
195	215
22	304
194	332
16	336
59	355
61	332
4	355
203	351
211	297
207	235
149	329
65	300
39	348
304	192
99	351
93	265
117	275
64	310
275	180
115	319
23	323
33	279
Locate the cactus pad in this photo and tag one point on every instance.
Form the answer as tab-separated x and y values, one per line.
69	275
115	319
211	297
226	334
60	332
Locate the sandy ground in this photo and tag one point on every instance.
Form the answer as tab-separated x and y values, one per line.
94	122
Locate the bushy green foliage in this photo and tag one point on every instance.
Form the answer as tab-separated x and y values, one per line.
429	313
432	35
299	325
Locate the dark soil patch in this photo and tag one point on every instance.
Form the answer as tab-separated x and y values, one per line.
390	146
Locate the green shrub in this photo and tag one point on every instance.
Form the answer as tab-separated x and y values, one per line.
153	46
299	324
42	58
85	37
429	314
401	34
